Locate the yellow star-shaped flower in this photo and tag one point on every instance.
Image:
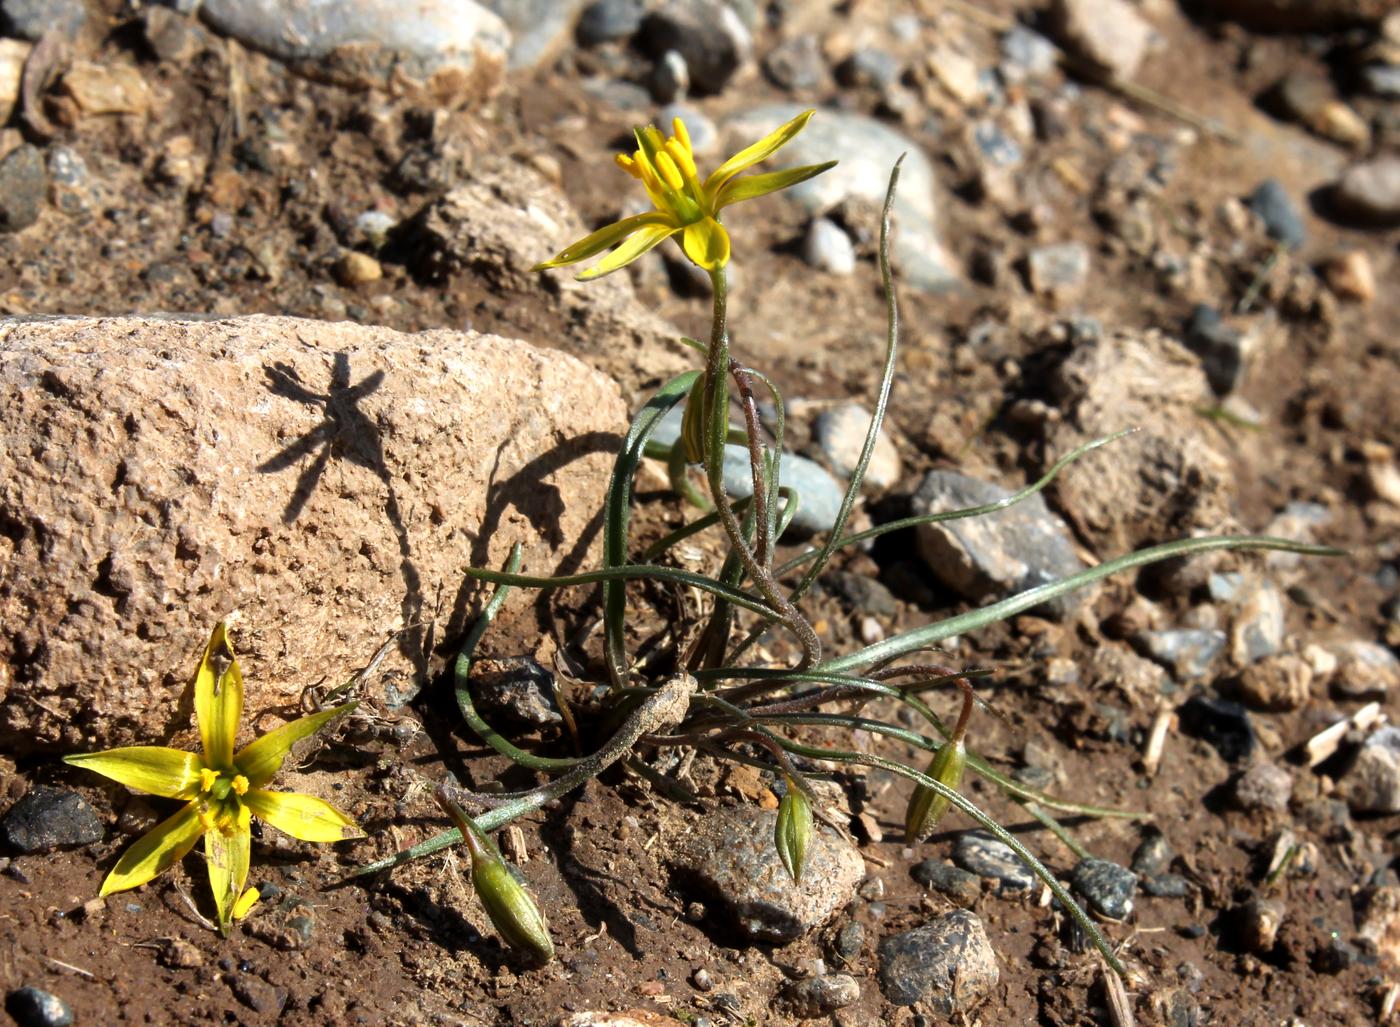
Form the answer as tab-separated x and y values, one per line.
223	789
685	204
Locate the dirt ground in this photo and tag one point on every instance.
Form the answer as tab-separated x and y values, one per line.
414	946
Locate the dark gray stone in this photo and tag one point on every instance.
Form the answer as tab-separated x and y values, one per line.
23	185
1152	856
962	887
47	819
257	994
820	494
1107	887
866	150
861	594
30	19
1166	886
1282	219
1220	347
1189	653
1223	725
850	941
982	854
707	33
820	996
1008	550
796	65
869	66
947	964
34	1007
516	687
1370	191
606	20
730	857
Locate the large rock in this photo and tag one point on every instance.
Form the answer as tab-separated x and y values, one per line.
447	50
319	485
947	964
539	29
731	857
502	221
1165	480
866	150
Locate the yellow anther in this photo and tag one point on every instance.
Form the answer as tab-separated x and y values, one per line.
668	170
206	819
680	153
207	778
240	784
682	134
628	165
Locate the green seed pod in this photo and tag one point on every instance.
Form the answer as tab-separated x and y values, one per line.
793	833
512	910
926	807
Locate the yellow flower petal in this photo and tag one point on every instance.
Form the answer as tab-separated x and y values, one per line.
751	186
245	903
605	237
147	768
642	240
160	847
759	151
302	816
260	760
226	850
706	243
218	698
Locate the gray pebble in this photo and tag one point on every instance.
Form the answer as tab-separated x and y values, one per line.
819	493
1370	191
1108	887
704	136
828	248
1189	653
1258	626
607	20
730	856
850	941
47	819
708	34
1008	550
670	77
1372	785
516	687
1220	347
539	29
959	885
1152	856
1365	670
1166	886
820	996
34	1007
796	65
1282	219
840	432
995	146
1060	270
870	67
1108	35
30	19
947	964
982	854
1027	54
23	185
1382	79
866	150
861	594
1264	787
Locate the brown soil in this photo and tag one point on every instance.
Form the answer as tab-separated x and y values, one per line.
415	947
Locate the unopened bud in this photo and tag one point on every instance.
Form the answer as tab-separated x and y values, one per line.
926	806
695	424
510	906
793	834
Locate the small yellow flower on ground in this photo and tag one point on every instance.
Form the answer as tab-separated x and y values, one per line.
685	204
223	789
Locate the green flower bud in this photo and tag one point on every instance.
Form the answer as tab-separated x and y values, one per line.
695	424
793	834
926	807
512	909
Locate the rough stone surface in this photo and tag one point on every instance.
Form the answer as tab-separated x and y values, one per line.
1108	887
47	819
708	34
1276	684
1008	550
23	183
827	248
1167	479
980	853
1264	786
962	887
516	687
1220	346
947	964
1372	785
1188	653
867	150
1258	625
796	64
820	996
539	29
493	229
730	856
627	1018
30	19
315	484
1370	191
840	432
1108	35
819	491
1059	271
606	20
449	49
34	1007
1365	670
1282	219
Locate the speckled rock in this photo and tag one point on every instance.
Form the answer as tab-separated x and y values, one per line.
729	855
47	819
315	484
1365	670
1108	887
980	853
1372	785
947	964
1264	787
840	432
821	996
1008	550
